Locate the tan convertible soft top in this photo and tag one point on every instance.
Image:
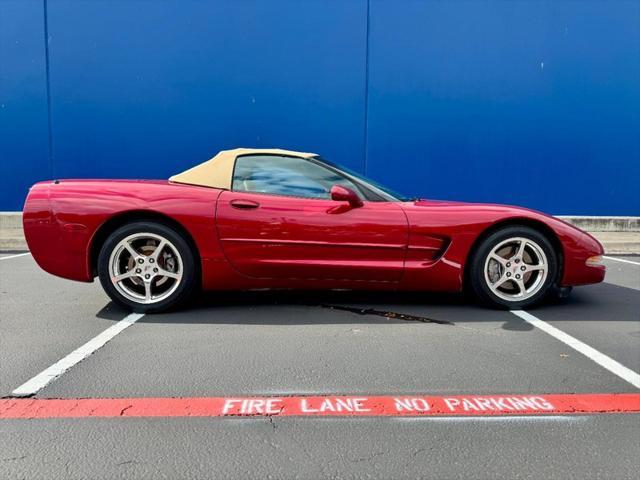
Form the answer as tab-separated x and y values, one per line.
217	172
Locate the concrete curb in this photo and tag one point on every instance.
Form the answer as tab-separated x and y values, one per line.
619	235
9	220
620	243
604	224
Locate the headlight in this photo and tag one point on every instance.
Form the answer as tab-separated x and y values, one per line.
594	261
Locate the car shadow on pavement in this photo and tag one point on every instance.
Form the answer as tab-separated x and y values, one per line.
279	307
112	311
283	307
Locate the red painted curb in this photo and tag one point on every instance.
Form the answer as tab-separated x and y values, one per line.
400	405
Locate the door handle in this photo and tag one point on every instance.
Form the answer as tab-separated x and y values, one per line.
244	204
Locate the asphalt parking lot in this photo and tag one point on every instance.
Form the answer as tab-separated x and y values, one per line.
281	344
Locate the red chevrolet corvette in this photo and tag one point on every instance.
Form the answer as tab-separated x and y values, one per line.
251	218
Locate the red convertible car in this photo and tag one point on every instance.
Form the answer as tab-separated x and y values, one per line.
257	218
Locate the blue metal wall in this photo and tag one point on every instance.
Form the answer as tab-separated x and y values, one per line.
531	102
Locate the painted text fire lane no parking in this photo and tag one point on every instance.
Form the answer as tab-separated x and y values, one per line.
341	406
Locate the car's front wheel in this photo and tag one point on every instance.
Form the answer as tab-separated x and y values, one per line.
514	267
147	267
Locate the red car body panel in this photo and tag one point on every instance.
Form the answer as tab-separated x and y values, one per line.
288	242
286	238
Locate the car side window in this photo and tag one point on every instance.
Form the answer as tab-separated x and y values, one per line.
290	176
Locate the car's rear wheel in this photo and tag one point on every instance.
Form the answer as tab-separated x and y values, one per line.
514	267
147	267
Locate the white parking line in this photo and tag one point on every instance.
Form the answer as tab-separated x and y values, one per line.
37	383
621	260
600	358
15	256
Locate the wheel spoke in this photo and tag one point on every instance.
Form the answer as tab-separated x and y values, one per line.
502	280
147	291
125	275
521	287
131	250
521	248
166	273
533	268
502	261
156	252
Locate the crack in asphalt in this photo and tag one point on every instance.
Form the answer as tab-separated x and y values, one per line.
387	314
273	424
125	409
366	459
12	459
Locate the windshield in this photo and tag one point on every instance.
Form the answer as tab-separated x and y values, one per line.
385	192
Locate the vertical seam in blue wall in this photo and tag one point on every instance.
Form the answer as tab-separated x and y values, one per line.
46	66
366	94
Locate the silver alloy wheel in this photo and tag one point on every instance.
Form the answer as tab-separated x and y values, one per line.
145	268
516	269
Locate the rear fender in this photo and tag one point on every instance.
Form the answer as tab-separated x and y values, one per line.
64	221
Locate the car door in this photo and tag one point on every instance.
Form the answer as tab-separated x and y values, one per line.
279	222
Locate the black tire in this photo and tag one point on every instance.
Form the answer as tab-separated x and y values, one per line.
175	294
540	288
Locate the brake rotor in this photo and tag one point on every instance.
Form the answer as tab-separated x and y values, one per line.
165	261
495	271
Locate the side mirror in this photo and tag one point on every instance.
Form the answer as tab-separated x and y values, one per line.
344	194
